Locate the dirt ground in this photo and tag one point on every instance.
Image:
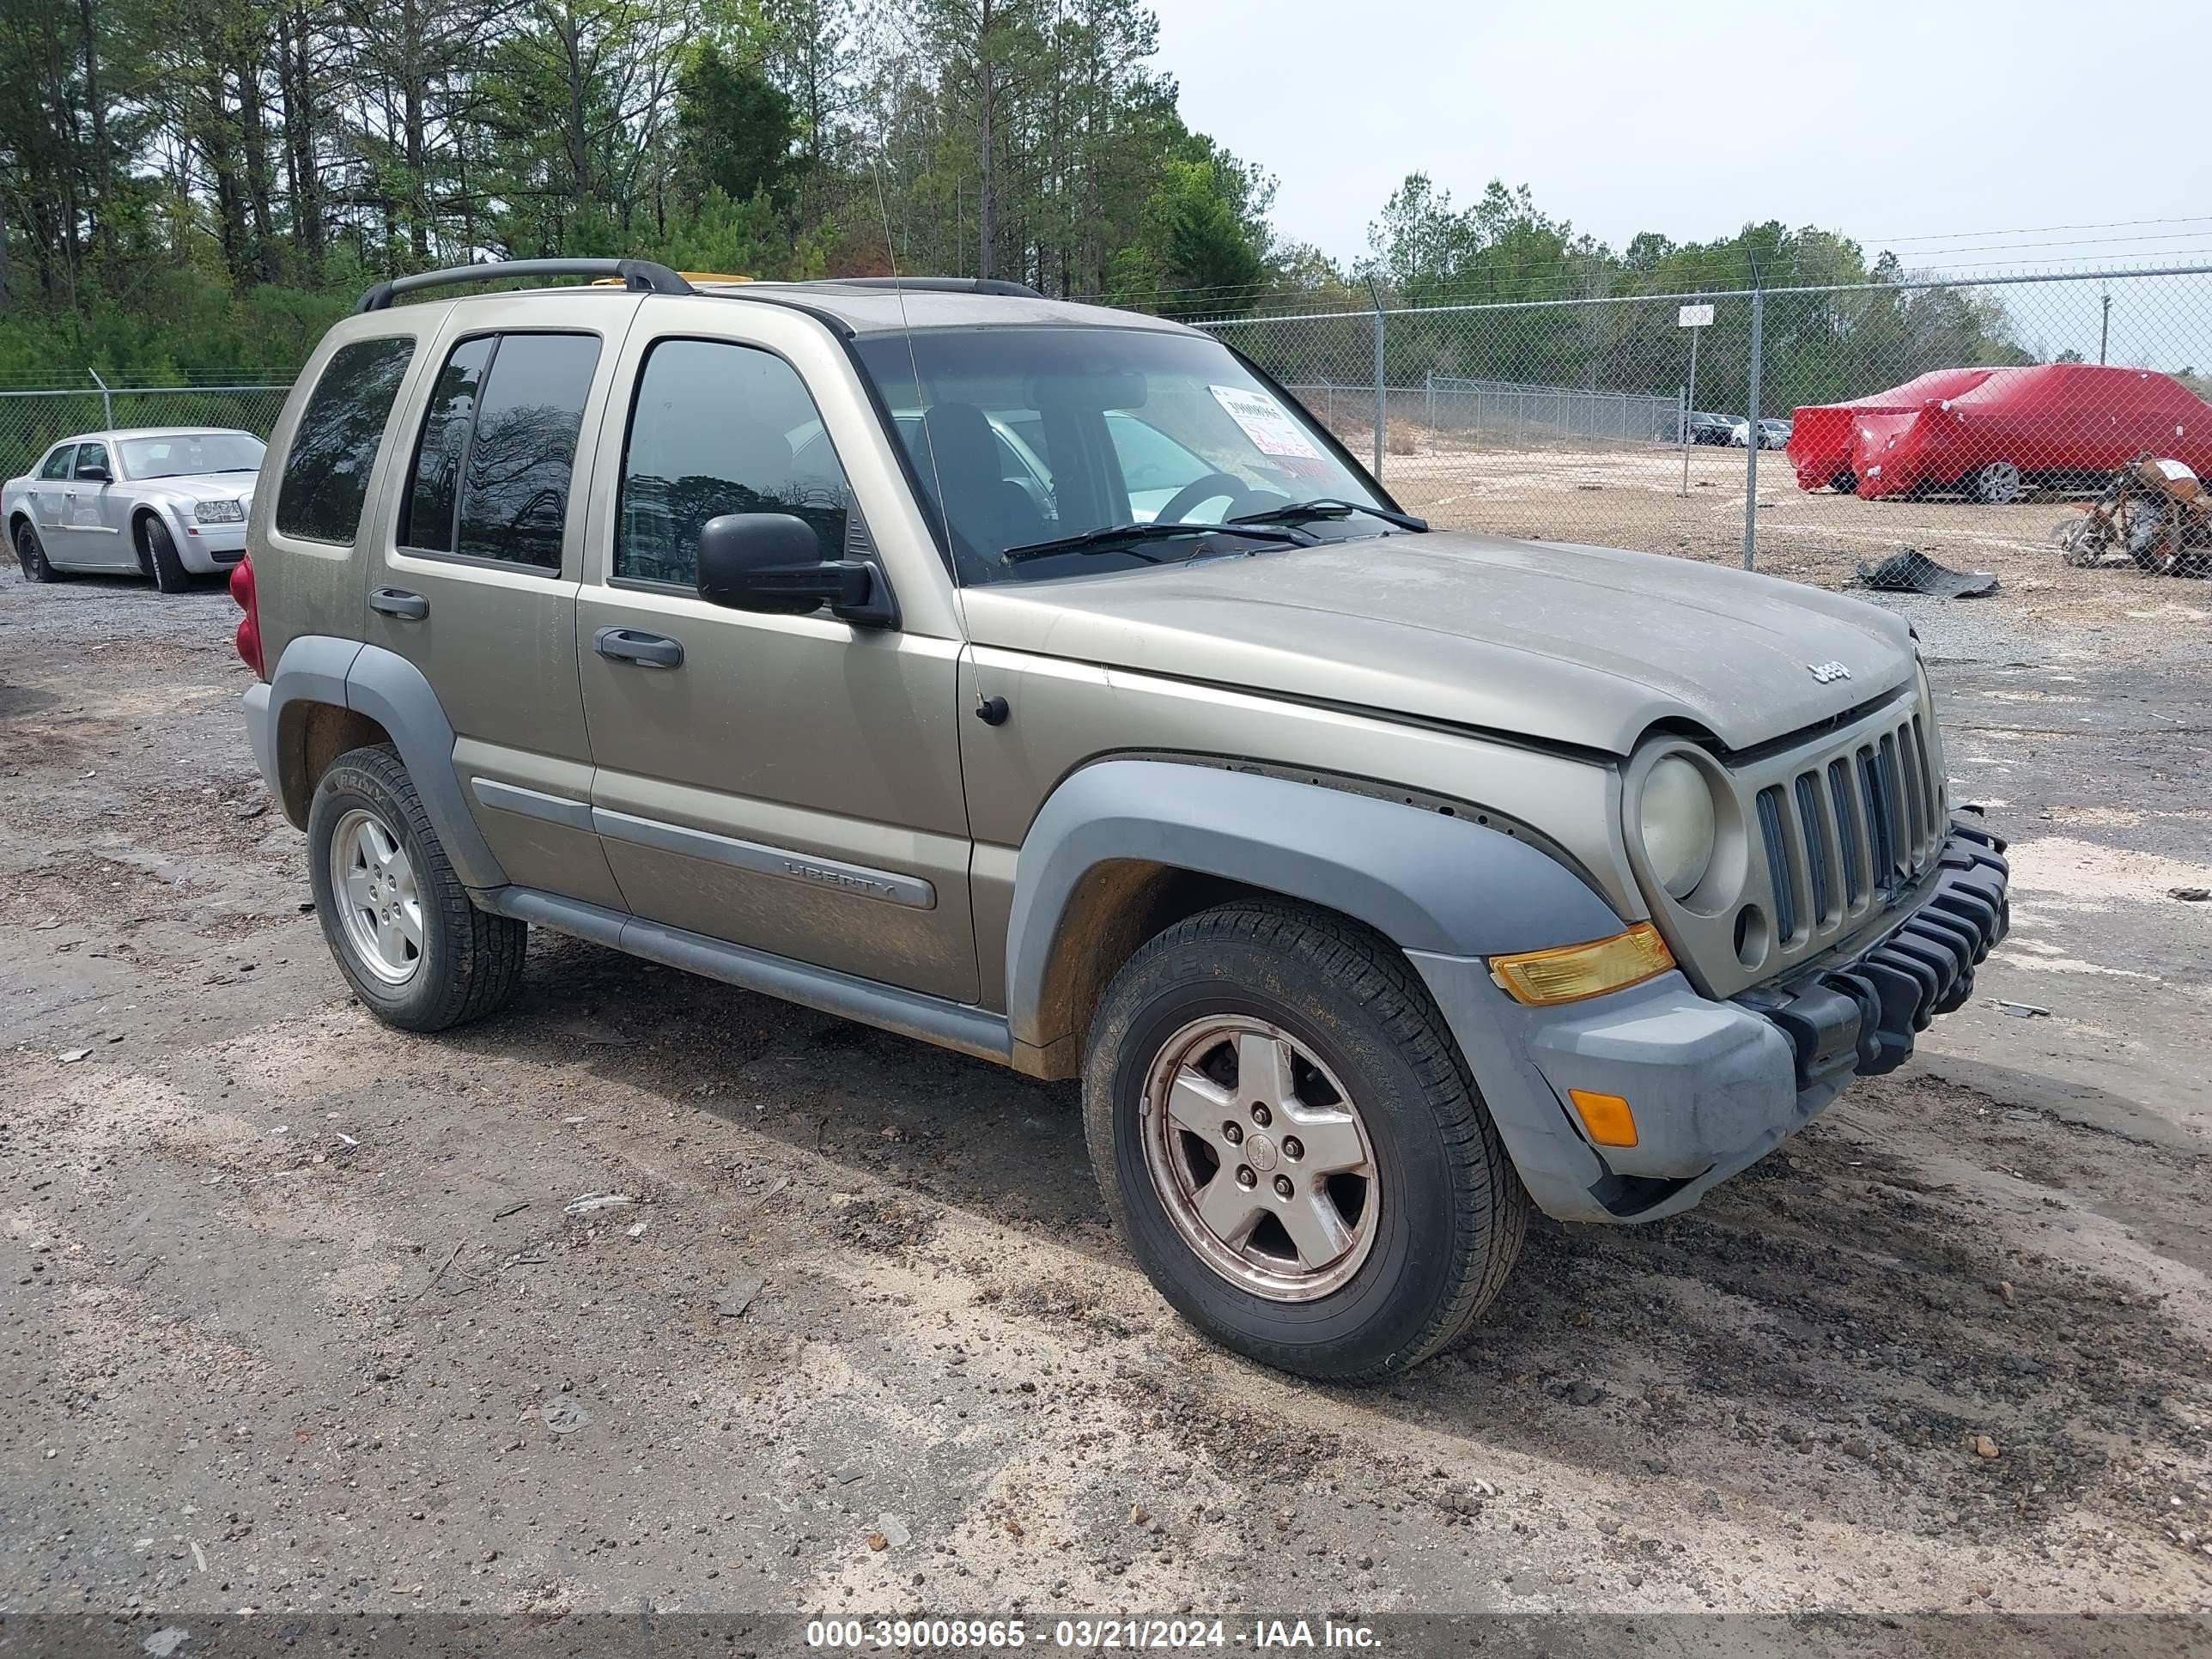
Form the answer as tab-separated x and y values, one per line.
296	1317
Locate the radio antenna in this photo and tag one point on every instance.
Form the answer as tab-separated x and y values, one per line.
943	513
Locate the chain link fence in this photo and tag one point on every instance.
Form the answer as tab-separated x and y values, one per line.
1984	422
33	419
1989	422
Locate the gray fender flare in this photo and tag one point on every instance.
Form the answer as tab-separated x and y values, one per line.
392	691
1428	883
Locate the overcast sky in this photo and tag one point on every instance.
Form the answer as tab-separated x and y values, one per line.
1885	122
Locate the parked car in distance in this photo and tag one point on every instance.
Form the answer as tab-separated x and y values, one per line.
1377	883
1772	434
1996	434
170	502
1710	428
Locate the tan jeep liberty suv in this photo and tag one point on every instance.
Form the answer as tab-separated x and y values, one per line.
1041	681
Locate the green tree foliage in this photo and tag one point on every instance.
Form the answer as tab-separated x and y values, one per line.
1504	251
189	184
735	128
1197	255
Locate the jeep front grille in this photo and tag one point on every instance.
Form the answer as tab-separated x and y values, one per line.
1845	828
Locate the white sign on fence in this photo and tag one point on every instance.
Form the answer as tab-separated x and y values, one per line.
1694	317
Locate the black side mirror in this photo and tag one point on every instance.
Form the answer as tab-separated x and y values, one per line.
94	473
772	562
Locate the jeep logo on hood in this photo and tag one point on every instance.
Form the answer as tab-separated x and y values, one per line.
1828	672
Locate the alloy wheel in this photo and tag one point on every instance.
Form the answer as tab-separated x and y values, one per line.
1998	483
380	905
1261	1158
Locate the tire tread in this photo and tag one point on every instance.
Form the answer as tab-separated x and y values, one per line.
158	551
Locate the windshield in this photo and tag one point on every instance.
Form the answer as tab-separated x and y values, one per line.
179	454
1037	435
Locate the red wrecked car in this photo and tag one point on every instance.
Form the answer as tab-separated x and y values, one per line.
1993	433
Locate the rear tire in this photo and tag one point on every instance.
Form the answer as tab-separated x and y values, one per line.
157	556
31	554
1845	483
1291	1025
417	952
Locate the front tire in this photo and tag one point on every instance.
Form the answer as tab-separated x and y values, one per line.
1288	1138
31	554
157	557
417	952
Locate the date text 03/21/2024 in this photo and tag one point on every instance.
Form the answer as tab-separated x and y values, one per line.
1088	1635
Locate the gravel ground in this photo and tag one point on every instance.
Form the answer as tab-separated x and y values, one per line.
298	1314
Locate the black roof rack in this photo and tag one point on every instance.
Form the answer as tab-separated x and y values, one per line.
640	276
940	285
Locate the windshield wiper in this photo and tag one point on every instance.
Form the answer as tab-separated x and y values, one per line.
1330	508
1119	538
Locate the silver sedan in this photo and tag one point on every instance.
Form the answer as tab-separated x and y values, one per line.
169	502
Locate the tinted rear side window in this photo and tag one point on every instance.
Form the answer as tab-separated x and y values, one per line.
326	475
57	464
514	489
434	491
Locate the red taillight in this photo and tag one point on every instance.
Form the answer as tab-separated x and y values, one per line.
249	625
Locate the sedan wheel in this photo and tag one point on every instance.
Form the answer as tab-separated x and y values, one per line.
32	555
1262	1157
1998	484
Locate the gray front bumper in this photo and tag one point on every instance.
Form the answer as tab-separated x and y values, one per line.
1714	1085
209	549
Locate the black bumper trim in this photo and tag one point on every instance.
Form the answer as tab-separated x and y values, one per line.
1861	1018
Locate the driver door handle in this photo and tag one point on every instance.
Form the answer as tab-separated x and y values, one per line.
399	602
646	650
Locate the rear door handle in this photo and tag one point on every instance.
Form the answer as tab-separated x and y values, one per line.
399	602
648	650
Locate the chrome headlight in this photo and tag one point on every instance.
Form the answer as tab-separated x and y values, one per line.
218	512
1674	818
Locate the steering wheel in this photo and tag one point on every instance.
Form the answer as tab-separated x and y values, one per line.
1201	489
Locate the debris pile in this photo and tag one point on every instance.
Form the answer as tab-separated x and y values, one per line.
1909	570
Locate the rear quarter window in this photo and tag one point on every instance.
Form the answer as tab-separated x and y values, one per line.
326	474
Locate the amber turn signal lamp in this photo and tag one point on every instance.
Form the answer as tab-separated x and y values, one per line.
1607	1117
1569	973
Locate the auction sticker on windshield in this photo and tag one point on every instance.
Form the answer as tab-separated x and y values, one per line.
1265	422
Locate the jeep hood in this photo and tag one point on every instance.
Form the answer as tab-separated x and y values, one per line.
1586	645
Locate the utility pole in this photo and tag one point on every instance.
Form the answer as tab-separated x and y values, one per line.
2105	328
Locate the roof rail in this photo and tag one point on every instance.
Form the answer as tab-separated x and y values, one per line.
942	285
640	276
